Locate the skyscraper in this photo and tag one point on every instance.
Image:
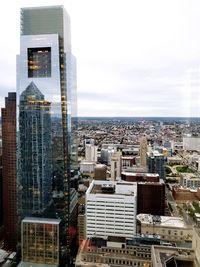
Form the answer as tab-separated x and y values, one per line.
9	170
45	80
35	152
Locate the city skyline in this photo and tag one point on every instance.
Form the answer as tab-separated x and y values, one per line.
134	58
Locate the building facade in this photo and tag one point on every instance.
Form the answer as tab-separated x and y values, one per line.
113	252
9	170
151	198
143	151
35	153
115	167
45	96
111	209
156	163
40	241
91	152
168	228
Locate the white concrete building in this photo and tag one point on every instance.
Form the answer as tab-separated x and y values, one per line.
189	180
87	166
91	152
191	143
168	228
111	209
116	166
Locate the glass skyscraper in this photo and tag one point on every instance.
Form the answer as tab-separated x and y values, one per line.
46	104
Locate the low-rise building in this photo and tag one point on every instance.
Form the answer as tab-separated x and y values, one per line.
189	180
173	256
175	160
168	228
115	251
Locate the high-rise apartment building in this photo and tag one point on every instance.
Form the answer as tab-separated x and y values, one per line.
46	101
9	170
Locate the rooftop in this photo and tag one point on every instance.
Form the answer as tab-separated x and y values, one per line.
141	174
172	257
110	187
40	220
165	221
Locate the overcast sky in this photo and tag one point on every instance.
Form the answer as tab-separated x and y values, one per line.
134	57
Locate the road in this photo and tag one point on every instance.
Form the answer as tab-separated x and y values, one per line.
173	204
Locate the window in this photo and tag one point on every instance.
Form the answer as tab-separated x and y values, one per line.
39	62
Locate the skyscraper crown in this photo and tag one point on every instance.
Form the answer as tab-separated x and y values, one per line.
31	91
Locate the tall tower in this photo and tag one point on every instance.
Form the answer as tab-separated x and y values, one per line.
143	152
35	167
9	170
44	100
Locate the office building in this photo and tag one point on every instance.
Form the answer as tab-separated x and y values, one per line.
87	166
173	257
100	171
35	151
189	180
111	209
40	242
81	219
45	96
151	198
91	153
143	151
72	94
168	228
9	170
106	154
113	251
116	166
181	255
140	177
191	143
196	243
156	163
127	162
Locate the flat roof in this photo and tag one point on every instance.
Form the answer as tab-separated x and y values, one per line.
141	174
112	188
163	255
41	220
165	221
